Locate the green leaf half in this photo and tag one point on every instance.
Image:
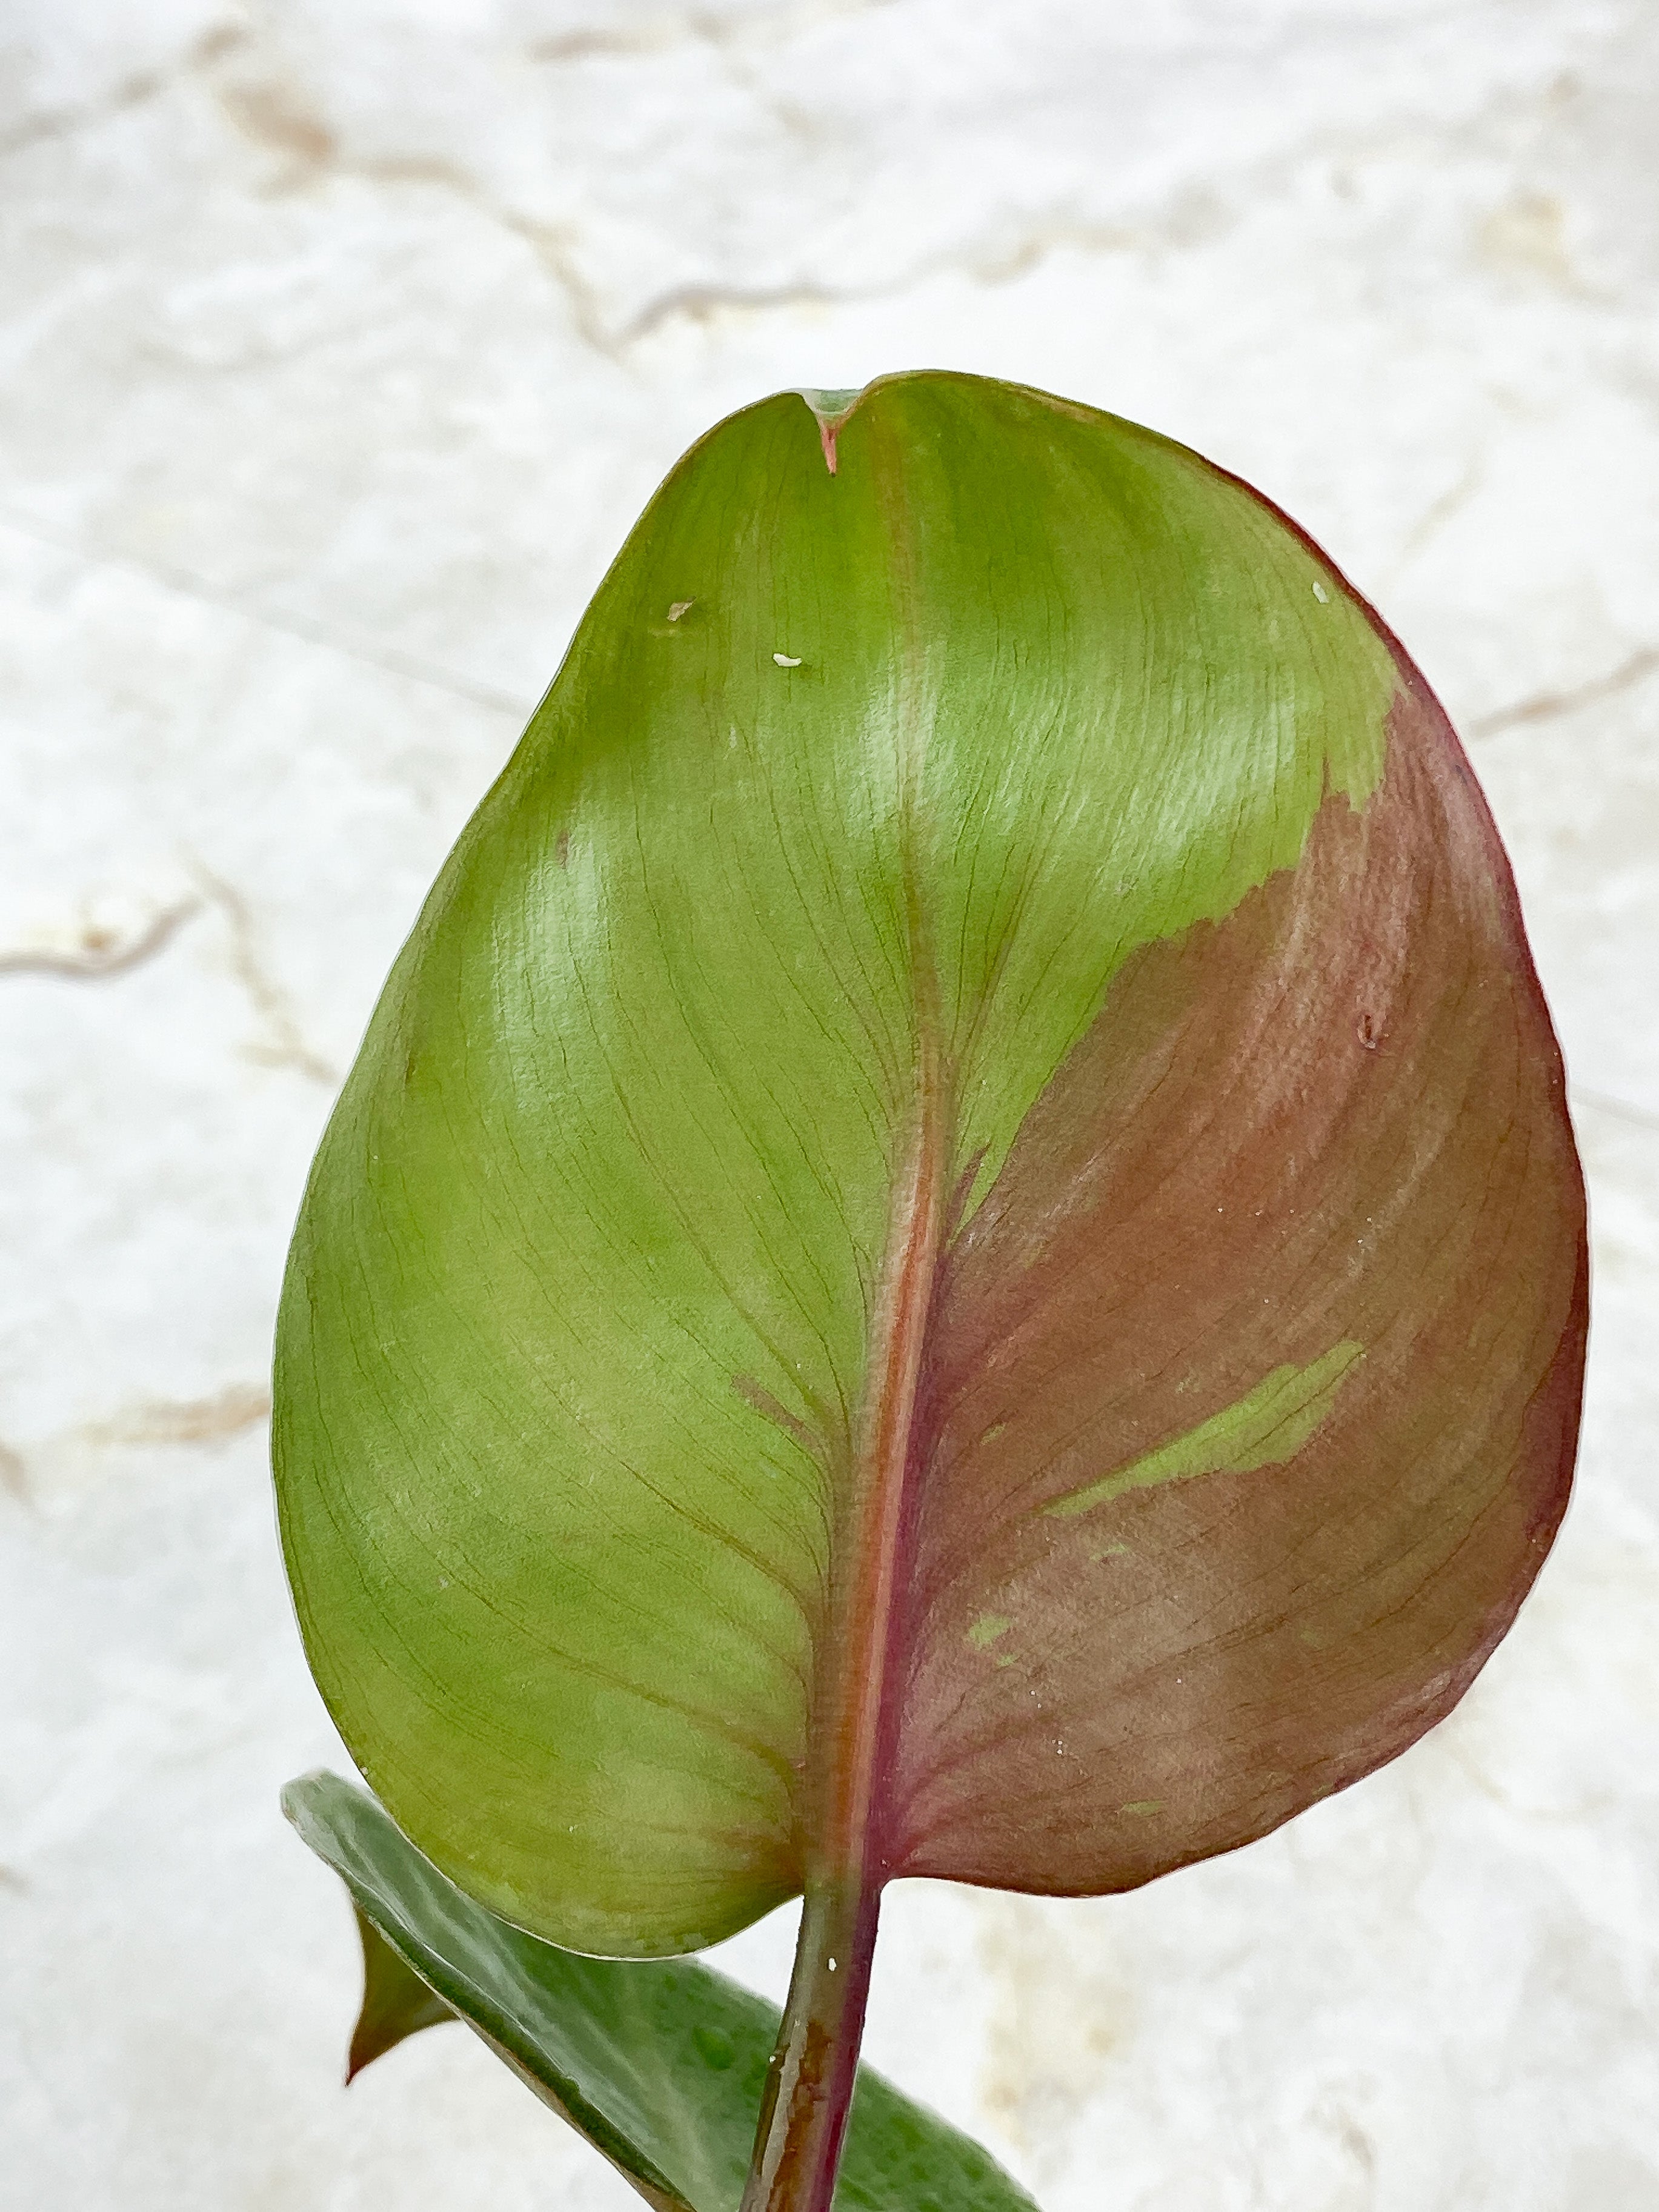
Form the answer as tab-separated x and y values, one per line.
660	2065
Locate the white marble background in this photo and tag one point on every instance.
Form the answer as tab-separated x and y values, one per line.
340	340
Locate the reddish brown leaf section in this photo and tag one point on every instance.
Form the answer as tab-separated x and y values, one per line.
1337	1115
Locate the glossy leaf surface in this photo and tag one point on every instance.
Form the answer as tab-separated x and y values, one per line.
660	2065
955	1247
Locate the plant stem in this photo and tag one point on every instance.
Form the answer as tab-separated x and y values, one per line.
808	2082
814	2067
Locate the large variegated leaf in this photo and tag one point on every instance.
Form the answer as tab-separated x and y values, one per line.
955	1247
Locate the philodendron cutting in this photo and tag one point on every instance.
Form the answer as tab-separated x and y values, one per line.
955	1250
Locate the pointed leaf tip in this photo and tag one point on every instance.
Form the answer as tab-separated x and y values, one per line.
397	2003
832	410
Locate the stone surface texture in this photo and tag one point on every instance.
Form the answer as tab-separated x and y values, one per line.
340	342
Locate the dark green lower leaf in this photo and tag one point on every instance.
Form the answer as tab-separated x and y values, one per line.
659	2063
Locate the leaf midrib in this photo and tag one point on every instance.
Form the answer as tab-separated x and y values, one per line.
854	1720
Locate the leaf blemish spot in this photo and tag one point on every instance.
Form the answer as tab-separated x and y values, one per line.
1321	595
987	1628
786	660
680	607
1265	1428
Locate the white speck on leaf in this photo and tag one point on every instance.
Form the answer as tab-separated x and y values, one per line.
1321	595
678	607
786	660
